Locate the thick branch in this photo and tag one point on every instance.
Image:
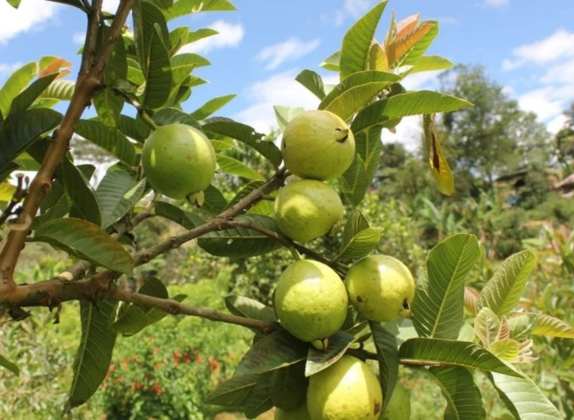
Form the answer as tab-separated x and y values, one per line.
87	83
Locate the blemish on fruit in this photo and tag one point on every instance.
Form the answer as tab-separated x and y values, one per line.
377	409
359	299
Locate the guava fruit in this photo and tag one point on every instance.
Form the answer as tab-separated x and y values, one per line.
318	145
178	160
399	407
307	209
381	288
310	300
299	413
345	390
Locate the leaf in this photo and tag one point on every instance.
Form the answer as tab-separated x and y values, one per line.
360	245
525	397
95	350
186	7
241	242
453	353
356	180
284	114
437	161
409	46
274	351
182	36
356	91
405	104
430	31
388	357
183	64
357	42
86	240
158	75
7	190
211	106
429	63
486	326
214	201
235	167
502	292
14	3
464	401
438	306
17	81
134	318
249	308
332	62
312	81
108	138
507	349
355	223
117	194
25	99
62	90
187	219
9	365
289	387
133	128
319	360
549	326
244	393
20	130
78	189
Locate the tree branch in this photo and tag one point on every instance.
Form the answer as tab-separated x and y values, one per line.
88	82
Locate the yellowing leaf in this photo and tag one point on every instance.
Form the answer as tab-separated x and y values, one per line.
437	161
55	65
6	192
378	58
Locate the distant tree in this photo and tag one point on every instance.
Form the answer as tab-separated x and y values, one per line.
564	141
494	137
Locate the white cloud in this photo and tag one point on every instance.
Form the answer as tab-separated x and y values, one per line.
110	5
496	3
557	123
279	89
9	68
229	35
30	15
349	9
557	46
419	81
542	102
292	49
560	73
408	133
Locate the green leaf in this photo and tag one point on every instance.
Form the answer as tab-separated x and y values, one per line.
312	81
108	138
388	357
174	115
211	106
453	353
249	308
235	167
241	242
464	401
549	326
117	194
182	36
332	62
284	114
17	81
186	7
183	64
357	42
248	393
289	387
526	398
80	192
486	326
187	219
133	318
357	179
274	351
21	130
158	75
360	245
438	163
415	53
62	90
356	91
405	104
14	3
86	240
318	360
438	306
502	292
9	365
95	350
213	200
134	128
429	63
25	99
355	223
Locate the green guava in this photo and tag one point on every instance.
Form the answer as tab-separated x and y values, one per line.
399	407
299	413
318	145
307	209
310	300
381	288
345	390
178	160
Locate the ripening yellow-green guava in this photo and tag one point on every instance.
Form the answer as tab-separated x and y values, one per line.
310	300
345	390
399	407
178	160
318	145
299	413
381	288
307	209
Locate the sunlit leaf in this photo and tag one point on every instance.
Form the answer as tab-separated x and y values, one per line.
437	161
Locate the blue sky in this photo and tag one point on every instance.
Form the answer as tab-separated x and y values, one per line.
527	46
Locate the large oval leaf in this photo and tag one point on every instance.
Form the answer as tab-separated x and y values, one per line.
357	90
318	360
464	401
80	192
388	358
108	138
235	167
439	301
86	240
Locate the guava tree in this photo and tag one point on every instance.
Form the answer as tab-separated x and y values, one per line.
309	352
